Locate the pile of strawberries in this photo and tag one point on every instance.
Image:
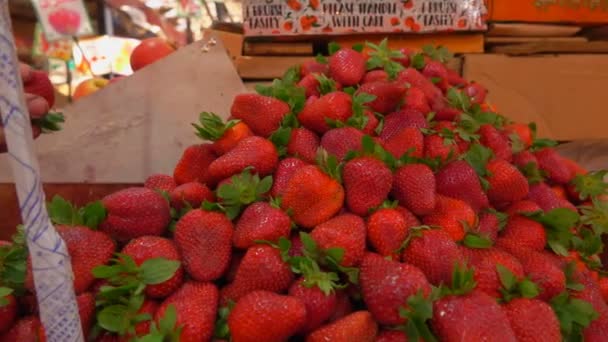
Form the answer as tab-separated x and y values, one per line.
372	195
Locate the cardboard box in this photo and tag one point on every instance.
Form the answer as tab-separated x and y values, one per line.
563	94
549	11
327	17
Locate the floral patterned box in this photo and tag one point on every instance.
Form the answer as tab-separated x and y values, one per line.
320	17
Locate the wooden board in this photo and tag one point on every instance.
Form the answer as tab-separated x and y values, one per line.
140	125
455	42
531	30
277	49
510	40
552	47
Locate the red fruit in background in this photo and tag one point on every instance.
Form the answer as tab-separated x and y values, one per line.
507	184
476	92
196	307
435	147
388	95
311	84
266	316
26	329
408	139
135	212
367	182
319	306
496	141
255	152
436	70
522	232
160	182
262	268
347	67
391	336
416	79
142	328
65	21
533	319
192	194
260	221
231	137
386	286
454	78
340	141
313	196
86	311
521	207
40	84
406	52
397	121
460	181
303	144
346	231
372	123
546	198
374	76
386	231
336	106
204	240
452	215
149	247
541	269
553	164
414	187
523	131
8	312
263	114
358	326
149	51
422	252
485	261
313	66
415	99
194	163
343	306
282	175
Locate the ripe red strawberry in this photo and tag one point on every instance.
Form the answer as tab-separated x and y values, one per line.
459	180
86	311
386	231
343	306
193	194
196	307
340	141
541	269
547	199
397	121
454	78
486	320
409	139
255	152
87	249
391	336
260	221
405	60
553	164
388	95
476	92
319	306
386	285
423	250
490	137
436	146
488	227
266	316
523	131
485	261
374	76
410	219
65	21
415	99
372	123
148	247
414	188
8	311
262	268
358	326
507	184
204	240
452	215
142	328
194	163
282	175
522	207
416	79
436	70
522	232
262	114
313	196
135	212
225	135
160	182
303	144
347	67
523	158
447	113
312	66
367	182
532	319
335	106
346	231
40	84
26	329
311	84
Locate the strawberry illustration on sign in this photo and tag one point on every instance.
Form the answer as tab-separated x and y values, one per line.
61	19
65	21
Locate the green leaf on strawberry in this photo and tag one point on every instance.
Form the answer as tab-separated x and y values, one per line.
13	261
587	243
114	318
166	330
358	47
574	315
321	59
478	157
286	90
517	145
458	99
537	143
212	127
591	185
463	281
558	224
533	173
329	164
326	84
222	331
358	119
472	240
418	312
381	56
243	189
333	47
438	53
4	293
50	123
515	288
595	216
158	270
125	272
63	212
417	61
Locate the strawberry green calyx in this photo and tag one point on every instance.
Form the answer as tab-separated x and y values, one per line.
326	84
212	127
572	282
478	241
280	138
372	149
589	245
383	57
50	123
321	59
591	185
533	173
333	47
286	90
438	53
329	164
537	143
166	330
120	317
503	218
243	189
418	312
13	261
359	119
517	145
413	232
515	288
63	212
222	331
463	281
558	224
595	216
4	293
478	157
574	315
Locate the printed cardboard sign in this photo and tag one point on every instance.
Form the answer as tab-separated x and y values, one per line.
297	17
63	18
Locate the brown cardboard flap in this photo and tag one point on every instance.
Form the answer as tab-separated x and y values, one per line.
563	94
